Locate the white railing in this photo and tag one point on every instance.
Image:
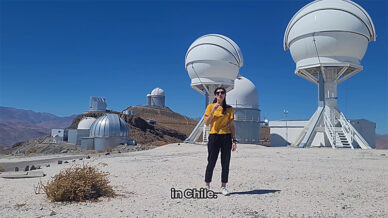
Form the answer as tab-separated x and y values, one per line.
346	128
205	133
329	128
351	133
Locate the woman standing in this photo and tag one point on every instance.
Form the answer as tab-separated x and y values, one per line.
220	116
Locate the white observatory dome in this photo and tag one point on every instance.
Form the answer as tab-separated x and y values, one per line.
213	59
158	91
244	94
329	33
86	122
109	125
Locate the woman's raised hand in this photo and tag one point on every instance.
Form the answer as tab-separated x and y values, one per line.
216	105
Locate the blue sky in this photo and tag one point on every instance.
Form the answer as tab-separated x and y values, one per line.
56	54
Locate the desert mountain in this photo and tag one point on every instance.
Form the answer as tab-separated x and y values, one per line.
170	127
18	125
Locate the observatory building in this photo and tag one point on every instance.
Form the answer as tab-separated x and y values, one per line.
285	132
156	98
211	61
82	131
327	40
97	104
245	102
106	131
59	135
99	134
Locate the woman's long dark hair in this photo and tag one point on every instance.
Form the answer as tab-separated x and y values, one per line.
224	105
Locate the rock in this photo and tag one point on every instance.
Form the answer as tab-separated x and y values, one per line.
53	213
47	165
16	169
179	143
107	153
88	157
119	152
66	161
81	159
59	162
27	168
64	151
33	167
73	160
38	167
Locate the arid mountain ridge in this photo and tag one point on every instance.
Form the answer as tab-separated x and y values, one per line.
17	125
20	126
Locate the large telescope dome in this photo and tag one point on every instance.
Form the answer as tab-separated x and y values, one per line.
213	59
109	125
329	33
244	94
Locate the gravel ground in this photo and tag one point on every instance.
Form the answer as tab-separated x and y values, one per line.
264	182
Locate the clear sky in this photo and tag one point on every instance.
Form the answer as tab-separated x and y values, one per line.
56	54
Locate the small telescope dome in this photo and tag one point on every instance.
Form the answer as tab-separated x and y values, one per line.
86	122
244	94
213	59
158	91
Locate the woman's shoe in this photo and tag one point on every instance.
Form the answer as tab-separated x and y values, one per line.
224	191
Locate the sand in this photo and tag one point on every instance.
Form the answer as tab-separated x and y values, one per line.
264	182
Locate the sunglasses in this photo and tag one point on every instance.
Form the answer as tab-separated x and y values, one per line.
220	93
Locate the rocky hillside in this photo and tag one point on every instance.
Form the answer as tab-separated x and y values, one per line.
165	117
18	125
140	130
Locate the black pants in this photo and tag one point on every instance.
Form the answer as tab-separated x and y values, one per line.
216	143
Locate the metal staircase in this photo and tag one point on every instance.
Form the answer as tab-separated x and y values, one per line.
340	132
196	133
341	140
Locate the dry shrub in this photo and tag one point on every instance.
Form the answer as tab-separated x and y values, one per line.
109	149
2	168
78	184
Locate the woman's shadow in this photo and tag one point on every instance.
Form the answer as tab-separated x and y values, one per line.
253	192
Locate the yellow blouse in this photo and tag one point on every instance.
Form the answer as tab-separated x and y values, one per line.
219	123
